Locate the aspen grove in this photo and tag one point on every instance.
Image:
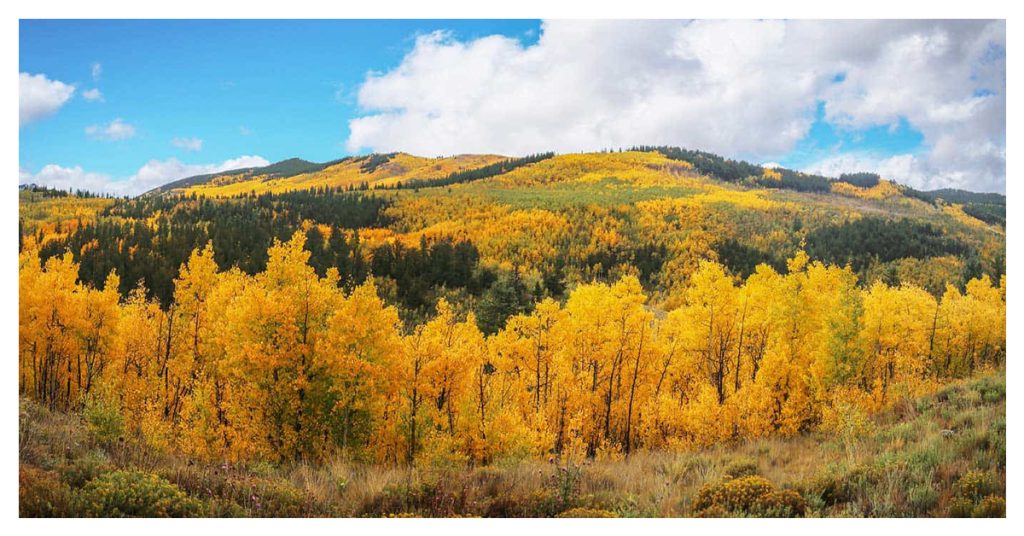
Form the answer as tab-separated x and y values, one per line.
288	365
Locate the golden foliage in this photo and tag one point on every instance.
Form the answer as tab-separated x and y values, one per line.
883	190
344	175
285	364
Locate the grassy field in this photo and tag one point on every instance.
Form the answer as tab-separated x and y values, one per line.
941	455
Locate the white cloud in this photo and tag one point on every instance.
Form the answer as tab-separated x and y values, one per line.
159	172
244	130
741	88
113	131
92	95
39	97
97	71
67	178
913	170
152	174
188	144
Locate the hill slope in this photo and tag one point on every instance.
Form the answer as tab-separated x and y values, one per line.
549	326
396	170
557	220
348	173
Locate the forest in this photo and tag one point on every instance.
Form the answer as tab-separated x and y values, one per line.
448	315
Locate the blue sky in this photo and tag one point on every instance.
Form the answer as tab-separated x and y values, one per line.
179	97
824	139
273	88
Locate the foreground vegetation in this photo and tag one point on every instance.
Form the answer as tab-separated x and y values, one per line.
943	454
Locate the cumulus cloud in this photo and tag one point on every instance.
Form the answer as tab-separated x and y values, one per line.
188	144
114	131
92	95
97	71
159	172
151	175
742	88
40	97
921	172
67	178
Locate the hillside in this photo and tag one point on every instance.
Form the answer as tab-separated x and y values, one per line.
555	220
394	335
371	171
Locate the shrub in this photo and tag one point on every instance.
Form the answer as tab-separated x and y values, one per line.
586	512
842	487
966	399
42	494
698	465
272	498
990	506
783	503
81	470
922	498
105	422
961	507
733	495
135	494
258	496
974	485
992	390
740	468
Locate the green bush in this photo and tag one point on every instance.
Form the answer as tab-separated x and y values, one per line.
783	503
135	494
104	418
81	470
922	498
992	390
740	468
750	495
839	487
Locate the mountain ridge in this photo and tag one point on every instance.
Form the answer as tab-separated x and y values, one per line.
706	163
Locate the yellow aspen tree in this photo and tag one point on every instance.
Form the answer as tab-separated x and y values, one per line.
716	317
458	347
361	344
278	322
896	331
